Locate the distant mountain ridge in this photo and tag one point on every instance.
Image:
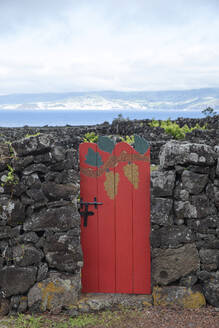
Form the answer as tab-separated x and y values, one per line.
196	99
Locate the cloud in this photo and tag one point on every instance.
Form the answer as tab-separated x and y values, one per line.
69	45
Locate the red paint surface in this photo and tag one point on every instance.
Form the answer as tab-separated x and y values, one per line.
115	243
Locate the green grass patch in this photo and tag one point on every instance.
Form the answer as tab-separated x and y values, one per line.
174	129
106	319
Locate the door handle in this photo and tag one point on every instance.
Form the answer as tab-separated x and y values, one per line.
85	213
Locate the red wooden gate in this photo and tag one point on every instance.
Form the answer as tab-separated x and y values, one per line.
115	233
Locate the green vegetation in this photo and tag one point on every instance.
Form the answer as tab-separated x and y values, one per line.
106	319
10	178
93	138
11	150
154	167
90	137
209	111
128	139
32	135
174	129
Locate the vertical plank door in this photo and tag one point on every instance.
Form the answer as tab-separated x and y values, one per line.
115	242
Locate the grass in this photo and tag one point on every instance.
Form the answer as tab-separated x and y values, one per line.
104	319
172	128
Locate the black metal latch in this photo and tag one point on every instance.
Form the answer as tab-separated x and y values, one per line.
84	209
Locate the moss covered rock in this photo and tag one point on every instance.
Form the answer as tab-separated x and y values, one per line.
181	296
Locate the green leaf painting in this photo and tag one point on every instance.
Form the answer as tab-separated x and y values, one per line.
105	144
93	158
140	145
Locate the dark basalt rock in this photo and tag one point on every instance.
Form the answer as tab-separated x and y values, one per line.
162	183
211	287
26	255
57	219
63	261
161	211
60	191
175	153
169	265
5	232
209	256
201	204
41	168
173	236
17	280
32	145
61	242
42	271
194	183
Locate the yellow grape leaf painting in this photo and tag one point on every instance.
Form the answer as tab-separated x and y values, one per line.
132	174
111	184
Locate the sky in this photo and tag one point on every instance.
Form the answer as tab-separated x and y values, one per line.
90	45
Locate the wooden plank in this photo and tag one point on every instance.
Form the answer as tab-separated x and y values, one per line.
116	243
123	215
106	228
141	231
89	234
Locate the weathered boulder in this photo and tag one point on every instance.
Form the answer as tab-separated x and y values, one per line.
189	280
161	211
168	265
55	219
12	211
32	145
42	271
217	168
45	158
172	236
63	165
211	287
175	152
41	168
58	153
63	261
60	191
36	193
216	198
17	280
60	242
194	183
184	210
181	296
201	204
1	262
30	180
26	255
162	183
210	257
4	307
180	193
5	232
55	293
203	225
19	164
29	237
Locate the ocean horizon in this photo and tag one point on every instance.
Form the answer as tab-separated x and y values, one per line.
20	118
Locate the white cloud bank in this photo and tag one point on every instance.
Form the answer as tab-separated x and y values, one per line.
57	46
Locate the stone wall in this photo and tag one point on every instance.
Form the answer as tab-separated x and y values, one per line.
185	218
71	136
40	252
